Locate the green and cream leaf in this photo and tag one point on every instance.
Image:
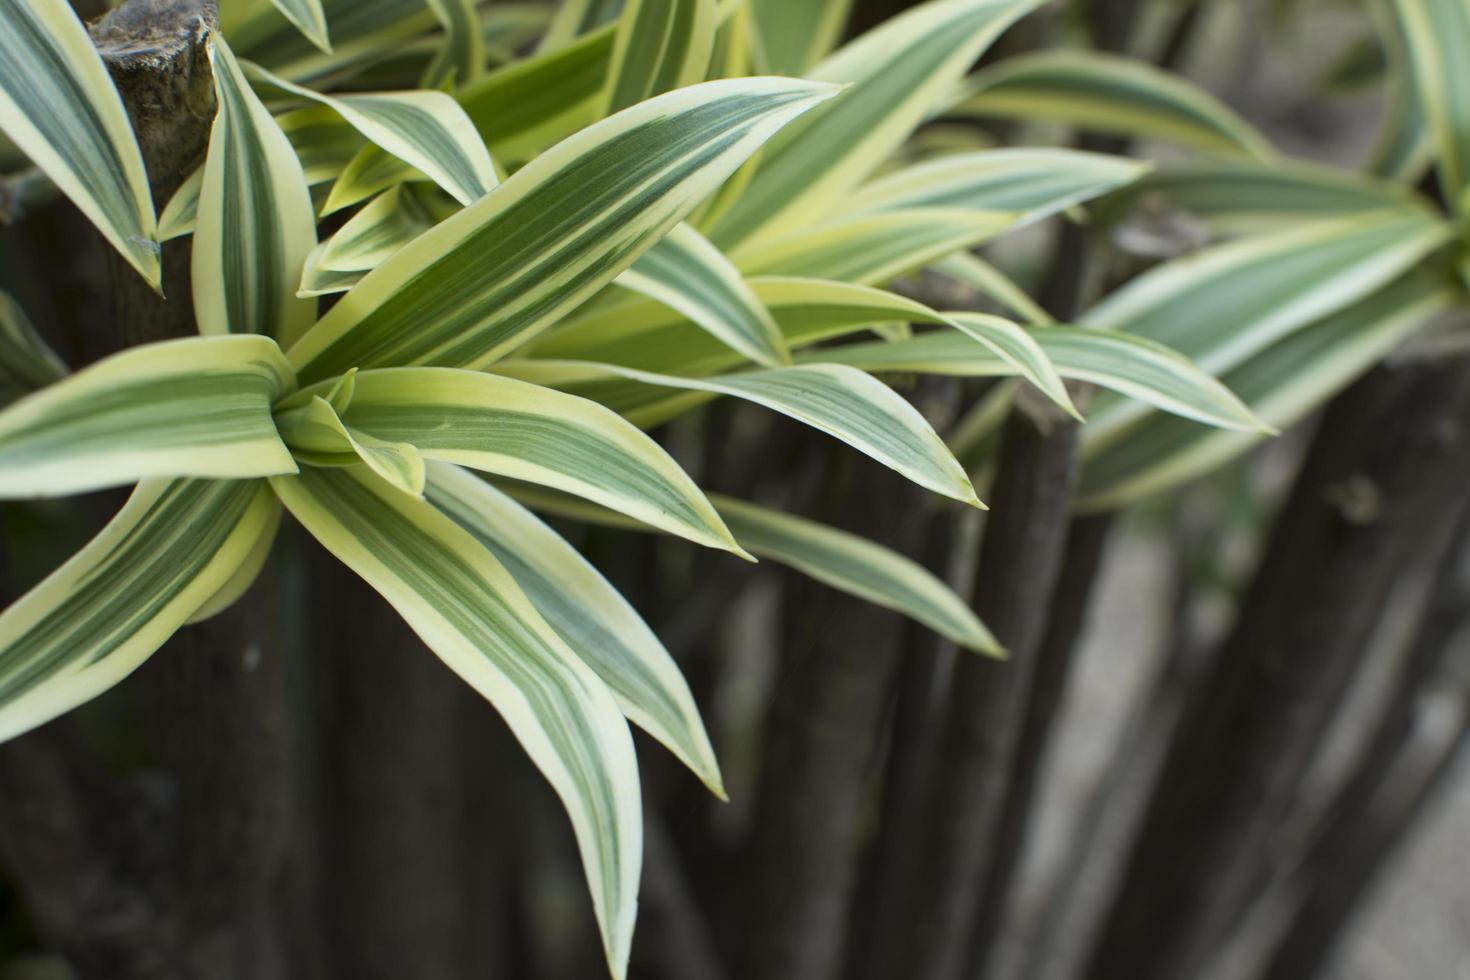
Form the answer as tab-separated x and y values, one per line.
688	274
196	407
597	623
94	620
514	429
254	227
486	280
59	107
466	607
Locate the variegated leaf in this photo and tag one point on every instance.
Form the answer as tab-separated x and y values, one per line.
254	226
660	45
465	606
196	407
597	623
1109	93
688	274
58	105
896	73
489	278
94	620
428	131
505	426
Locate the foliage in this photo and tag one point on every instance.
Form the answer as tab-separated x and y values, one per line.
541	255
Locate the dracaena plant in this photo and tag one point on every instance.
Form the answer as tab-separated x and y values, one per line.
540	256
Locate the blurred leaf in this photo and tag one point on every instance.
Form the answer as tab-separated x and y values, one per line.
1109	93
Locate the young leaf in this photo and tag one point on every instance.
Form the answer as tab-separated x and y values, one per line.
58	105
487	279
254	226
660	45
465	606
1109	93
688	274
428	131
896	73
317	434
505	426
597	623
390	222
195	407
309	19
99	616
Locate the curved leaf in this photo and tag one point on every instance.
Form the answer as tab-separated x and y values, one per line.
428	131
871	249
842	402
1109	93
196	407
1282	384
505	426
1130	365
1222	305
99	616
1035	183
465	606
462	56
254	226
27	363
487	279
309	19
845	561
688	274
58	105
1436	32
896	73
660	45
375	233
597	623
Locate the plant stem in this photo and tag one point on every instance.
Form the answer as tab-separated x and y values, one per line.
1019	563
821	740
1421	734
1384	475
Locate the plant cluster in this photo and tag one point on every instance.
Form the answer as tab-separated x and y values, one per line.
541	236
